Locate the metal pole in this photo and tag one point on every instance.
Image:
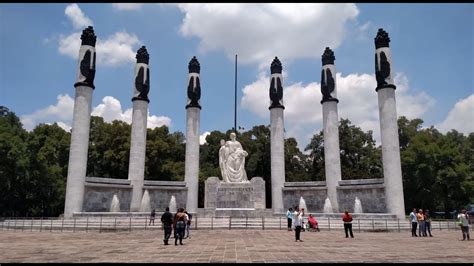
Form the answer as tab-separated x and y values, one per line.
280	223
8	224
3	223
263	222
196	222
62	224
31	224
41	223
130	225
373	225
448	225
386	227
358	222
230	222
146	220
51	226
398	222
23	225
115	224
439	222
14	223
235	96
246	221
329	224
212	222
74	228
100	225
87	224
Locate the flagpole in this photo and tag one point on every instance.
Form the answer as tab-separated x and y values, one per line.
235	97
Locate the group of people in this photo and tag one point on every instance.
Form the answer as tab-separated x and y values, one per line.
422	221
180	223
295	220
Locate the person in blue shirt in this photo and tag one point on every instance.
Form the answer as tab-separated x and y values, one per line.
414	222
289	216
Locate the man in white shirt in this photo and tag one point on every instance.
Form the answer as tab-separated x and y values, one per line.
298	222
464	223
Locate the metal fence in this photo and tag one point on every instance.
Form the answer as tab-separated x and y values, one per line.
114	224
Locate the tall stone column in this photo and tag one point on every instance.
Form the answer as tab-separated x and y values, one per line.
332	157
277	142
193	111
77	167
136	168
392	170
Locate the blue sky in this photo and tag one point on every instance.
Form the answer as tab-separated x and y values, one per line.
431	44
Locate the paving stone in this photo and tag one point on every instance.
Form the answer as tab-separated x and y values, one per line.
233	246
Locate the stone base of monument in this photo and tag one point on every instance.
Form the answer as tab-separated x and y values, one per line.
243	199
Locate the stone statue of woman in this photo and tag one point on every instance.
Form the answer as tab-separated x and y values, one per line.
232	161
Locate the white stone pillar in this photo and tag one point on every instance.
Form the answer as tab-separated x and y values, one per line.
277	140
193	111
332	155
136	168
77	165
388	126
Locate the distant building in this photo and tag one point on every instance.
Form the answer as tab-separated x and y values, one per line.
4	111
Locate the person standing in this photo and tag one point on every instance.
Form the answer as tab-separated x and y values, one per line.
464	223
167	220
428	222
298	222
347	219
421	223
414	222
152	217
179	224
289	218
188	223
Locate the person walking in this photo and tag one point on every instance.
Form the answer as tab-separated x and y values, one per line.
179	224
347	219
427	222
152	217
414	222
298	222
421	223
167	220
464	223
289	218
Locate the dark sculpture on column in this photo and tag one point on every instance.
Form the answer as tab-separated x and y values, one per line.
142	82
276	88
194	87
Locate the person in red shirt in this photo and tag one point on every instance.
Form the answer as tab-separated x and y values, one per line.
347	219
313	223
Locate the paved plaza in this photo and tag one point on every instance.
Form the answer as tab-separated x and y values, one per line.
254	246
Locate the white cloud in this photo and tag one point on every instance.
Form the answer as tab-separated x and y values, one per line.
114	50
77	17
460	118
358	102
202	138
127	6
259	32
62	113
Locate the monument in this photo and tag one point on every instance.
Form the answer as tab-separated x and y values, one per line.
277	148
235	195
332	157
79	147
193	110
392	170
136	169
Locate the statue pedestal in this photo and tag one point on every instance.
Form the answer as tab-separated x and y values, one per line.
234	199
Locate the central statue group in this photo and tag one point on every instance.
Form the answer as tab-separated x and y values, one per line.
232	161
